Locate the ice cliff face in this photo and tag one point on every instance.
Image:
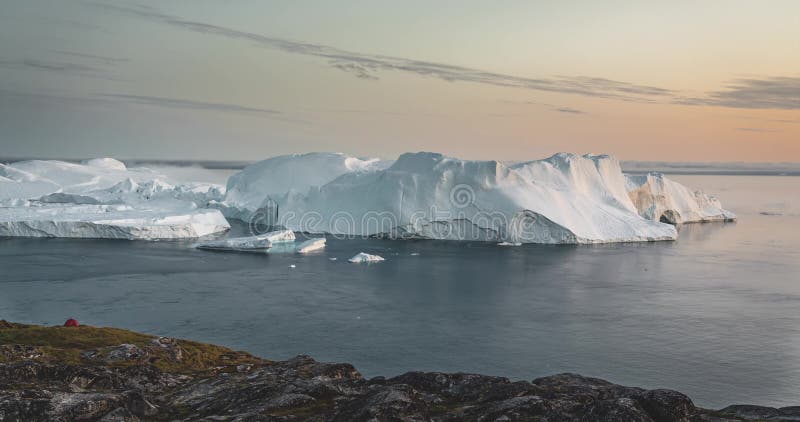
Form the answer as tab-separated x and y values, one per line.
564	199
109	222
101	198
658	198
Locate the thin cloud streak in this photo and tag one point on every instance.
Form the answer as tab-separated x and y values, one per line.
58	67
369	66
552	107
100	59
189	104
569	110
778	92
49	66
174	103
756	129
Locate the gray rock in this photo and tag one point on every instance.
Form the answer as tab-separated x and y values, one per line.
120	383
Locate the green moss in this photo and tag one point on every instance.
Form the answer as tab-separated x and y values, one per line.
84	337
66	345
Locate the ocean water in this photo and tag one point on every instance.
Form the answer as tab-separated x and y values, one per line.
715	314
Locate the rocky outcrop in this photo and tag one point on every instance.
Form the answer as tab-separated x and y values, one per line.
167	379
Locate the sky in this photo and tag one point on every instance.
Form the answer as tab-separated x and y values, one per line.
246	80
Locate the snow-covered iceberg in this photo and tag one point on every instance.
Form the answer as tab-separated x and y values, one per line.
658	198
566	198
248	243
102	198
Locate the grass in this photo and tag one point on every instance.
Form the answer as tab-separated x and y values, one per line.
67	344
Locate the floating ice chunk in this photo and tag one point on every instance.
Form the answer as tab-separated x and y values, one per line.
333	258
292	266
280	236
311	245
509	244
247	243
365	257
236	243
414	254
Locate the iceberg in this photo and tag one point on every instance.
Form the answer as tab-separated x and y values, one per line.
108	222
658	198
104	179
566	198
563	199
248	243
311	245
102	198
365	258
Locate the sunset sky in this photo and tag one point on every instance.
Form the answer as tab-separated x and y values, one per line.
244	80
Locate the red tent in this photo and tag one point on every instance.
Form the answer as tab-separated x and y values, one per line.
72	322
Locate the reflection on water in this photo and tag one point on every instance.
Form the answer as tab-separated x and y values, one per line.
713	314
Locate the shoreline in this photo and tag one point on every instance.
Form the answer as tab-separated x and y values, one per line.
91	373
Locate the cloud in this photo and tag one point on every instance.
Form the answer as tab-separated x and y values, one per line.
370	66
756	129
188	104
112	99
100	59
66	99
556	108
777	92
49	66
569	110
58	67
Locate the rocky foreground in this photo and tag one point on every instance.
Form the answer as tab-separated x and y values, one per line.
107	374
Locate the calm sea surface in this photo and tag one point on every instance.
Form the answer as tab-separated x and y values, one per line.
715	314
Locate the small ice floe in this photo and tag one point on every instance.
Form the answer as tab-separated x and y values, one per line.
259	242
509	244
414	253
365	257
333	258
311	245
292	266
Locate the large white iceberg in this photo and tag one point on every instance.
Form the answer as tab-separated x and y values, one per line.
101	198
566	198
658	198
